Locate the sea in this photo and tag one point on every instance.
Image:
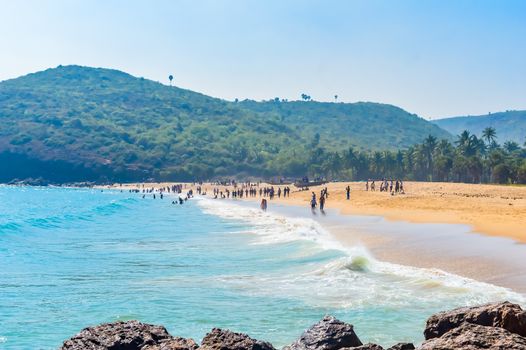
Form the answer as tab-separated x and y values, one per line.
72	258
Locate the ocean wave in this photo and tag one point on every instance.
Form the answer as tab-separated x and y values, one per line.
15	223
353	277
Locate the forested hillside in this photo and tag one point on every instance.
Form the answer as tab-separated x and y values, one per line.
365	125
75	123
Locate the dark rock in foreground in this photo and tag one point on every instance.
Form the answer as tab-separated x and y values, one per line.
504	315
130	335
220	339
470	336
328	334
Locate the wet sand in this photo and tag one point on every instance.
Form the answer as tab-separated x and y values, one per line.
448	247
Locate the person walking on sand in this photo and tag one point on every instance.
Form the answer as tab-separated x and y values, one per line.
348	192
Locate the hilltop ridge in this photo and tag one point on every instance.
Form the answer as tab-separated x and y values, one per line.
510	125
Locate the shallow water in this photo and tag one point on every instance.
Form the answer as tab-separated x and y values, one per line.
77	257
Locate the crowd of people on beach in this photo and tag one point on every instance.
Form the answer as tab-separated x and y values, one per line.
250	190
386	186
234	190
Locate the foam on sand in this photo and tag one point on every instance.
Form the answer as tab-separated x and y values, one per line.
349	276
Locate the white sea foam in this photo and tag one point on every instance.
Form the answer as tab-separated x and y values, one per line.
354	278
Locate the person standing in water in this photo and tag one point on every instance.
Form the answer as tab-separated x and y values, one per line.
263	204
322	203
313	202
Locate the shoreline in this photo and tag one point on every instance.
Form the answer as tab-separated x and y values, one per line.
493	210
394	231
451	248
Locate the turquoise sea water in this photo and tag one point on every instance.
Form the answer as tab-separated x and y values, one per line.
70	258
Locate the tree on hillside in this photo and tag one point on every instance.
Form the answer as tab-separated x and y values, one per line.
170	77
305	97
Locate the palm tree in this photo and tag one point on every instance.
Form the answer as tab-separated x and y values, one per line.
428	147
511	146
335	98
463	138
444	148
377	163
489	134
467	144
170	77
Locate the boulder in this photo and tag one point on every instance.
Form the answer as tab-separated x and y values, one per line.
504	315
129	335
469	336
221	339
176	343
328	334
402	346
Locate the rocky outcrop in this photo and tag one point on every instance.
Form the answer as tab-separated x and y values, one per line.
221	339
504	315
469	336
130	335
497	326
328	334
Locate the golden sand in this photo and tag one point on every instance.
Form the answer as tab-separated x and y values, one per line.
490	209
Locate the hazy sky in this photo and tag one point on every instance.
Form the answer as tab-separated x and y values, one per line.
433	58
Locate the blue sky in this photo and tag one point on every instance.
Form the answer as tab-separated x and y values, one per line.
433	58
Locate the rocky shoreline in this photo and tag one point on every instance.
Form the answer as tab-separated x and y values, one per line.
499	326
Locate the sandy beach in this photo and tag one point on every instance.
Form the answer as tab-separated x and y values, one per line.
488	209
495	210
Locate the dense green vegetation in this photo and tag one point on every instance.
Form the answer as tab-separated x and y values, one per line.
76	123
366	126
468	159
510	124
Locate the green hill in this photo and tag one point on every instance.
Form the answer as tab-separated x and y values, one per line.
364	125
75	123
510	125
